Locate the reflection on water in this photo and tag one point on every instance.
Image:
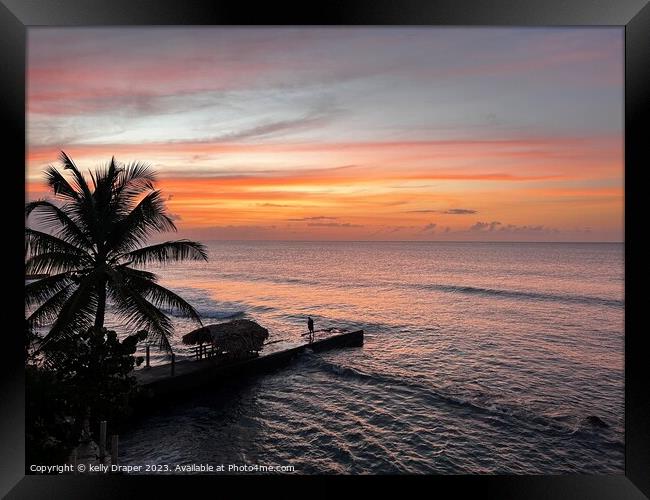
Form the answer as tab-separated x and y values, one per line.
480	358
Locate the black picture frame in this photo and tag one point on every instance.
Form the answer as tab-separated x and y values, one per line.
16	16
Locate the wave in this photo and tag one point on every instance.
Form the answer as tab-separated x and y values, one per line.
209	308
210	314
270	279
461	289
518	294
217	313
567	425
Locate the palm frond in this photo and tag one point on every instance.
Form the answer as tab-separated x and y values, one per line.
138	172
147	217
76	314
52	262
137	312
104	200
84	207
37	242
133	181
58	220
80	180
59	184
124	270
48	311
103	181
158	295
169	251
41	290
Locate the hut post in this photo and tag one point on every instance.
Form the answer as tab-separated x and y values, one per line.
147	356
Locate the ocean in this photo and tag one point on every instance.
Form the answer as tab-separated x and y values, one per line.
479	358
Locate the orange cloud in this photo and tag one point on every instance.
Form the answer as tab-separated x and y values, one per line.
378	186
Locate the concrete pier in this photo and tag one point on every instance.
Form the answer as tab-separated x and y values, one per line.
161	380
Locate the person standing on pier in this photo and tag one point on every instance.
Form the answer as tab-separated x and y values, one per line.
310	325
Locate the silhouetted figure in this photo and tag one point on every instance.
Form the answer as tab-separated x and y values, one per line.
310	325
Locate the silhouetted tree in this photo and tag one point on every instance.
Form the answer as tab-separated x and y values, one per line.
93	380
93	248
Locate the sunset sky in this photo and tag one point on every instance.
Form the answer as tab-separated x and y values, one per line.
345	133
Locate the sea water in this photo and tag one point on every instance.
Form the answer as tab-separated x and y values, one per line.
479	358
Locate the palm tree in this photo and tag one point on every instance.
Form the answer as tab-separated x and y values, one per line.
92	249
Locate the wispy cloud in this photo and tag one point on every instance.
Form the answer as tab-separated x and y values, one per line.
514	228
333	224
451	211
313	119
484	226
318	217
459	211
498	227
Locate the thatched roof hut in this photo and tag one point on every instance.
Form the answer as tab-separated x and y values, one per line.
238	336
199	336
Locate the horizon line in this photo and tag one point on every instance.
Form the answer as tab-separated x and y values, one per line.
409	241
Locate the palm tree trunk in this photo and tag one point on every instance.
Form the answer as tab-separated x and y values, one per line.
101	305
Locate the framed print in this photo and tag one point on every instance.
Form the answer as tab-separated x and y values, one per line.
369	239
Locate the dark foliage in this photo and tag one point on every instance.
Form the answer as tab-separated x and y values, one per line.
93	378
94	242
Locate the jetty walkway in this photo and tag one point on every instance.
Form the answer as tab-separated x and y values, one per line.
177	377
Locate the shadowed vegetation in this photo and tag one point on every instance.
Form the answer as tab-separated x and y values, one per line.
92	248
